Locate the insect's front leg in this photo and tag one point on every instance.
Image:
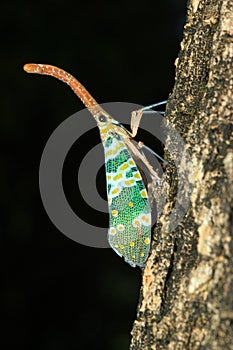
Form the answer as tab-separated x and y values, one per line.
137	115
155	179
135	149
135	121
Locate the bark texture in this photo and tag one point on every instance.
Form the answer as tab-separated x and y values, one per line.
187	285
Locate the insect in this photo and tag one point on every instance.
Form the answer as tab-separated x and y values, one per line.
129	232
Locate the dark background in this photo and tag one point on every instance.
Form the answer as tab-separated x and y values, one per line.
55	293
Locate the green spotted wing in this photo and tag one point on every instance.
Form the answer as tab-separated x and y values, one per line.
129	231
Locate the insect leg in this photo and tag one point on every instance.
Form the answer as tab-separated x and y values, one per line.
137	115
155	183
154	105
142	145
135	149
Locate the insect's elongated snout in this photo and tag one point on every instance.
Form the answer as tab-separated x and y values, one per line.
33	68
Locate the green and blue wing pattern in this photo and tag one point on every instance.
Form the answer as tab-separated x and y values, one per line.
129	210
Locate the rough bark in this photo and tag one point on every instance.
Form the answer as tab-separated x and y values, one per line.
187	285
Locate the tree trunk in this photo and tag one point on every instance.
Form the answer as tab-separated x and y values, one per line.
187	291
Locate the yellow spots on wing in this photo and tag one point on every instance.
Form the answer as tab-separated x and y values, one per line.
130	204
137	175
145	218
115	191
114	212
129	182
143	193
120	227
147	240
136	223
119	146
117	177
109	177
116	150
131	162
106	129
109	153
109	200
122	247
116	246
113	151
142	219
124	166
112	231
142	255
133	256
131	244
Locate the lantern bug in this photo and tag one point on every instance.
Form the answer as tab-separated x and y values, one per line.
129	232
